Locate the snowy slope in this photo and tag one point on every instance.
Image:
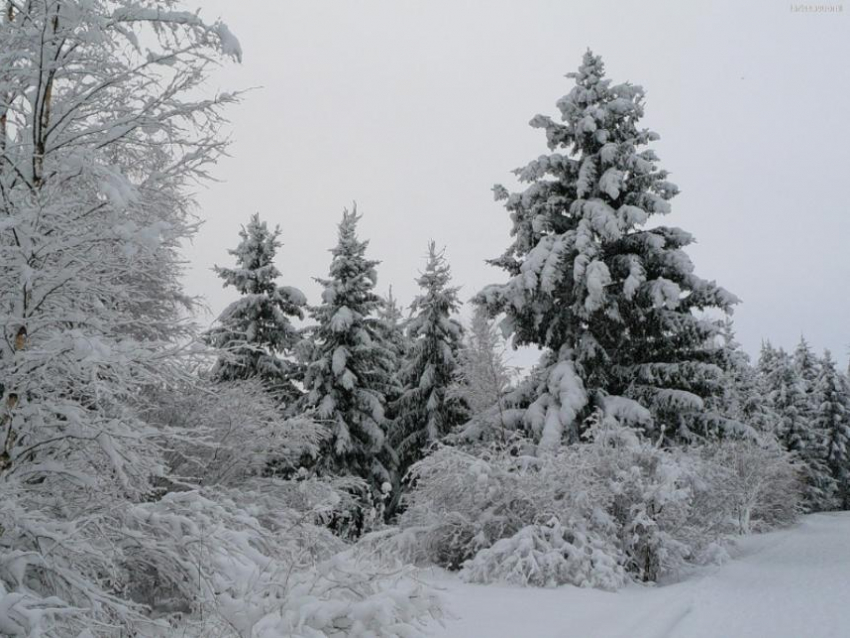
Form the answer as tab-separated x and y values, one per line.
789	584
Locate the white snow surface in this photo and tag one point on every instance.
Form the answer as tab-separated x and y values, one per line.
792	583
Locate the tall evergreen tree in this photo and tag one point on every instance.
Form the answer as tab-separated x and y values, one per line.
786	391
610	300
769	360
742	399
833	425
350	369
427	410
807	364
255	332
392	325
788	396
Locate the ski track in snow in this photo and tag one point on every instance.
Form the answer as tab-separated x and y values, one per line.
792	583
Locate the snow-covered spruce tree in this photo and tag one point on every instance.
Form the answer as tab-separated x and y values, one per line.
822	494
350	369
484	378
742	399
255	332
832	422
427	410
768	366
392	325
807	365
786	392
99	138
610	300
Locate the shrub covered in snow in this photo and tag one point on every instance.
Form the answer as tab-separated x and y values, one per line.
587	513
244	568
223	432
760	485
248	551
464	502
254	559
547	555
652	491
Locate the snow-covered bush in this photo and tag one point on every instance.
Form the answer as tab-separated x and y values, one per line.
651	490
338	599
230	433
462	502
675	506
231	440
228	563
587	513
623	492
243	568
548	555
222	432
760	484
227	560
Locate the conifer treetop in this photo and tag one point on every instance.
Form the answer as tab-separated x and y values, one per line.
255	271
390	311
437	297
255	332
351	277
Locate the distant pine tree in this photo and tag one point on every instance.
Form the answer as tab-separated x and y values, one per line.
610	300
742	399
426	410
349	373
833	425
788	395
807	364
255	332
392	325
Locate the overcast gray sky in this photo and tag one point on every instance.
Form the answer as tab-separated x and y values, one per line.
416	108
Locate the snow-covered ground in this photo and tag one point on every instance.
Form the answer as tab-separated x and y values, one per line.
789	584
